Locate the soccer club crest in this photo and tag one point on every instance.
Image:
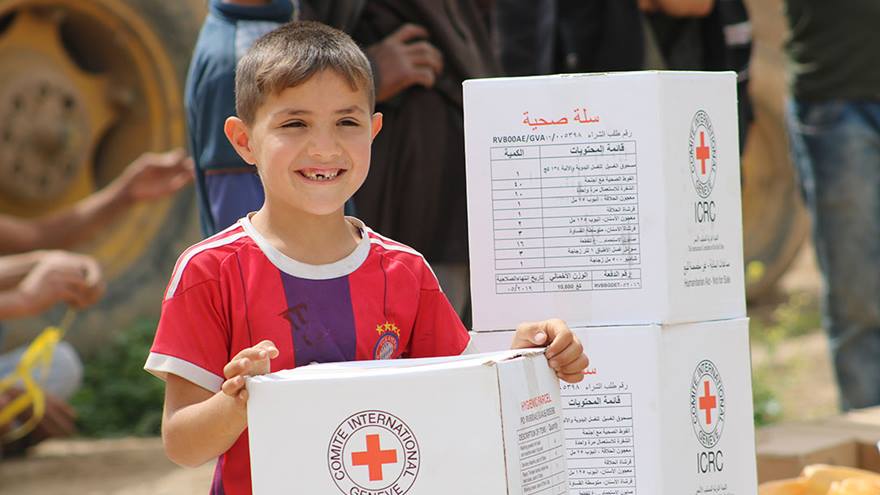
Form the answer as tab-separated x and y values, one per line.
388	342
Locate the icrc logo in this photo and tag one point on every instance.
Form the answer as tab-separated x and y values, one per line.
703	154
707	404
373	453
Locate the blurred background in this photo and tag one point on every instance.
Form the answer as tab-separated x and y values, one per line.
86	86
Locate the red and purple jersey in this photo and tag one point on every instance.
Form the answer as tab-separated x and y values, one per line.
234	289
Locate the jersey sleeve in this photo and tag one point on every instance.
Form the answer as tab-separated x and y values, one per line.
192	340
438	331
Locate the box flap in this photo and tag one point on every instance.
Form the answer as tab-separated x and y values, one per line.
352	369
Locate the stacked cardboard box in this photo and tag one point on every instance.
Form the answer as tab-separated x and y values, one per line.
612	201
864	427
849	440
783	451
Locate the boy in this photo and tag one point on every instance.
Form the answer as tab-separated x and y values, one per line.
298	282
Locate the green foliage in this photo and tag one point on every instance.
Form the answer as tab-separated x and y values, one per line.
768	409
798	315
118	397
772	330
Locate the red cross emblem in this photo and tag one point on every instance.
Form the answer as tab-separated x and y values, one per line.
374	457
703	152
708	402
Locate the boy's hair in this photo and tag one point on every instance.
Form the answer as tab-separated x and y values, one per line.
290	56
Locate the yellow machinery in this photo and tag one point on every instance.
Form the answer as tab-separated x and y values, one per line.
85	87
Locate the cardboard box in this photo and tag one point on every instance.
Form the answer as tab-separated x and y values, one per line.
784	450
604	199
849	440
863	425
662	410
480	424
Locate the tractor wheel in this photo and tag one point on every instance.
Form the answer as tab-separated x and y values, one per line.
86	87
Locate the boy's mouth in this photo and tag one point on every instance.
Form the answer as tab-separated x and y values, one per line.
321	175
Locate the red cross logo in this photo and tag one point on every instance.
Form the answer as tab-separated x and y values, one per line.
703	152
707	402
374	457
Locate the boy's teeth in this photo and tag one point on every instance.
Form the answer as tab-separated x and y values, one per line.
321	175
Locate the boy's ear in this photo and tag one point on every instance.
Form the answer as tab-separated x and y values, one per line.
376	121
238	135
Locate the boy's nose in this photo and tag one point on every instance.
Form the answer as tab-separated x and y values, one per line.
324	146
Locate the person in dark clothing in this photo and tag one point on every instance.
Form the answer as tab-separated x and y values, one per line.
834	130
552	36
415	191
711	35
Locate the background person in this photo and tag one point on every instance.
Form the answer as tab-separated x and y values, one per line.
834	130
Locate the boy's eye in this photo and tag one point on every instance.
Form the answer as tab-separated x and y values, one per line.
294	123
349	122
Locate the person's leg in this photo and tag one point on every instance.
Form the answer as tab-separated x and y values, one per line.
836	149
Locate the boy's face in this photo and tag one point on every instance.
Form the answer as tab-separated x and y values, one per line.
311	143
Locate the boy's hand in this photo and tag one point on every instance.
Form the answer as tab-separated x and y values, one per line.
564	352
249	362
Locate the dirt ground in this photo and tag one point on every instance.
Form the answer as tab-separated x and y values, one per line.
101	467
799	369
139	467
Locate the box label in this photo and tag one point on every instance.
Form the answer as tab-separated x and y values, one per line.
541	450
532	422
600	438
705	263
565	213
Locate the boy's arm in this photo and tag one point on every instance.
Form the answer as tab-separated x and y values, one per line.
198	425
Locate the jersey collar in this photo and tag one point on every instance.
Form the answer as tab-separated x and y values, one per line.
288	265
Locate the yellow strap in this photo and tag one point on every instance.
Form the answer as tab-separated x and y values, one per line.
32	397
38	355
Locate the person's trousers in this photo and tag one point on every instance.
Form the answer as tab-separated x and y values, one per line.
836	150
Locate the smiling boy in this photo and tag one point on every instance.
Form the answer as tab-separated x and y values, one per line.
297	282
